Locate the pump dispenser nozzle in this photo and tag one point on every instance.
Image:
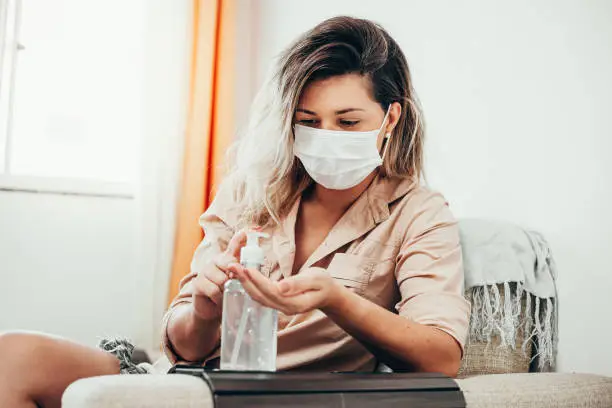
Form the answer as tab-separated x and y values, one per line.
251	255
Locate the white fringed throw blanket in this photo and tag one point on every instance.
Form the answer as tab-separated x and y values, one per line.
496	253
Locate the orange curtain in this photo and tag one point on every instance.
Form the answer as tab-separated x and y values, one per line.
209	125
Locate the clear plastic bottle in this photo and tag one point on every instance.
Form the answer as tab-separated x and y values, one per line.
248	329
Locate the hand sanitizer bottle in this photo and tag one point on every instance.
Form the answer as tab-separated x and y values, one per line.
248	329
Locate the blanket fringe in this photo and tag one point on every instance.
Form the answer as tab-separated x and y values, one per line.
122	349
507	318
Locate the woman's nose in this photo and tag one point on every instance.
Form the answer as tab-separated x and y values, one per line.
329	125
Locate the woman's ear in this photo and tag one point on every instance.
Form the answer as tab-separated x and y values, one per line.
395	112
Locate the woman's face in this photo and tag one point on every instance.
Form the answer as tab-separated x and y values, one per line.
344	102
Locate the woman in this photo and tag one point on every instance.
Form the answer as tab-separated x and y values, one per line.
363	264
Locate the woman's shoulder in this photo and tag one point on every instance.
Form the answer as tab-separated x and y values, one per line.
223	207
425	197
419	208
406	193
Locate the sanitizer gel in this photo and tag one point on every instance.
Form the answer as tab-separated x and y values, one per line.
248	329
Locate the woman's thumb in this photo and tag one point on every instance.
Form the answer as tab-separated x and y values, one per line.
236	243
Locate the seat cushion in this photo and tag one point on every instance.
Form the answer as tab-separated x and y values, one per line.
537	390
490	391
138	391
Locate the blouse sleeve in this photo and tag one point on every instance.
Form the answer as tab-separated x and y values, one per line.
429	271
217	235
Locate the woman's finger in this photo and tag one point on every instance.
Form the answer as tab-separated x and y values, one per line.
239	272
298	284
205	287
235	244
232	252
242	274
222	261
265	286
216	275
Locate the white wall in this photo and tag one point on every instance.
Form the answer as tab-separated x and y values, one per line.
67	265
85	267
165	89
517	97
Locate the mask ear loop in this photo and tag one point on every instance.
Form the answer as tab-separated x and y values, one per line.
387	135
387	138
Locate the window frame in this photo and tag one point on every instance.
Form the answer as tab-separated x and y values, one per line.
10	18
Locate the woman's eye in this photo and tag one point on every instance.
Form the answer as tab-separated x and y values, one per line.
349	123
307	122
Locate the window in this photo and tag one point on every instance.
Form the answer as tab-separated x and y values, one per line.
71	90
8	12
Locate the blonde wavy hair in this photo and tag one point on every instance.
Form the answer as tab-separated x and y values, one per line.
264	176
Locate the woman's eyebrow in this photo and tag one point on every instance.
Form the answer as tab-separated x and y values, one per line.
343	111
338	112
305	111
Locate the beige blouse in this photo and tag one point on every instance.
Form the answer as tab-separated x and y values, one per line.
397	246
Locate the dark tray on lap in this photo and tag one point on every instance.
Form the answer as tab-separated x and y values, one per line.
341	390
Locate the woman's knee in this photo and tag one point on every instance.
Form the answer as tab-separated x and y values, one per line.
25	350
19	358
19	348
41	366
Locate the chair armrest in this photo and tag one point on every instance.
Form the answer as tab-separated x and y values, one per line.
138	391
537	390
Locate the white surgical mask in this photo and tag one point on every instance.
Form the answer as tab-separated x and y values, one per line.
336	159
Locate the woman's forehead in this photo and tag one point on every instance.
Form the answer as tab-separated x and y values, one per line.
337	93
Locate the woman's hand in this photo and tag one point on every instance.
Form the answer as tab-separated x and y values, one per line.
208	285
311	289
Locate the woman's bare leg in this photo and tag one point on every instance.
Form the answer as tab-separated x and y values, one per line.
35	369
